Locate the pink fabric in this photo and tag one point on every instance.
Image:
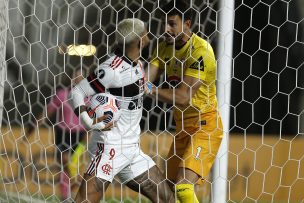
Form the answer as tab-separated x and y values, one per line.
65	185
66	118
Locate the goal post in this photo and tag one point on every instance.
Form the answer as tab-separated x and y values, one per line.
3	31
224	70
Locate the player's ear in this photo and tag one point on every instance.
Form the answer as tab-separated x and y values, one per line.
187	23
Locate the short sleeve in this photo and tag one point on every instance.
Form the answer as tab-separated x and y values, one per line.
200	63
107	76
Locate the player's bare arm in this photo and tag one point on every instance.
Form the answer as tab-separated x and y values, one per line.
180	96
153	73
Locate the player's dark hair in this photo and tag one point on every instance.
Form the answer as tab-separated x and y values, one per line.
180	8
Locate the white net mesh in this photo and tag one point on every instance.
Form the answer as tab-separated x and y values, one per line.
266	161
3	30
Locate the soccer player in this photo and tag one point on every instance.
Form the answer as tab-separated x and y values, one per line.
190	67
117	148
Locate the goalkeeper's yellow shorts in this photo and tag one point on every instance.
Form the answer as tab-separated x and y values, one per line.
195	146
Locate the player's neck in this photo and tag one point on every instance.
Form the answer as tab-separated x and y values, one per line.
133	54
183	41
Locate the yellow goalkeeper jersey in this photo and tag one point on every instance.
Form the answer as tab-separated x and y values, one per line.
195	59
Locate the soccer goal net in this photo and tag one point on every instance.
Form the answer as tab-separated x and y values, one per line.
259	48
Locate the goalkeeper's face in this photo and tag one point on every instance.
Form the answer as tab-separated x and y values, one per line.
175	29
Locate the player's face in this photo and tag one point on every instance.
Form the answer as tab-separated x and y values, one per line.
174	27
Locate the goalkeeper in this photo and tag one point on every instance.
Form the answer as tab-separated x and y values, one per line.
190	67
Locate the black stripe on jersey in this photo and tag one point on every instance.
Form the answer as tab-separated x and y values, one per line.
95	84
131	90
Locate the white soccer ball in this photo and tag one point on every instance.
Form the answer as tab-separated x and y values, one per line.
104	104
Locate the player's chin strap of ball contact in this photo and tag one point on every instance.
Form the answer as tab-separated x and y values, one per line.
87	122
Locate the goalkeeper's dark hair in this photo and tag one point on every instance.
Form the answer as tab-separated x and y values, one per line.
180	8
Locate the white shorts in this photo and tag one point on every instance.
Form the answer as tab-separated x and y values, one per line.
125	161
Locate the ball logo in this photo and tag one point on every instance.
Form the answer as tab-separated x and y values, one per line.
102	99
92	111
111	105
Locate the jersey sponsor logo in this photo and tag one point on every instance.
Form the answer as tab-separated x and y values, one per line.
198	65
123	69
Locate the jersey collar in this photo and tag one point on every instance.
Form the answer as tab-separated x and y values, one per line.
184	45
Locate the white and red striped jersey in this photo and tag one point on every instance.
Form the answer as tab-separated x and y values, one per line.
123	78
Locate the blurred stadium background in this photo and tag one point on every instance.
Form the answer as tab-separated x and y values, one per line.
266	156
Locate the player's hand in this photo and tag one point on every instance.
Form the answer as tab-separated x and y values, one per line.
109	126
98	124
95	124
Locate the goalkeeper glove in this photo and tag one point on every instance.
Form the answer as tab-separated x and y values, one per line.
149	88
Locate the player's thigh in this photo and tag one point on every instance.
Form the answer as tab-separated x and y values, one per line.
152	184
91	189
143	175
137	165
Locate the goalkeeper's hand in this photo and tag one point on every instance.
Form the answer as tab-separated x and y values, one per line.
149	88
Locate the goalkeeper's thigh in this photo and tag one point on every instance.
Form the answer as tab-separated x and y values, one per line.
74	164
